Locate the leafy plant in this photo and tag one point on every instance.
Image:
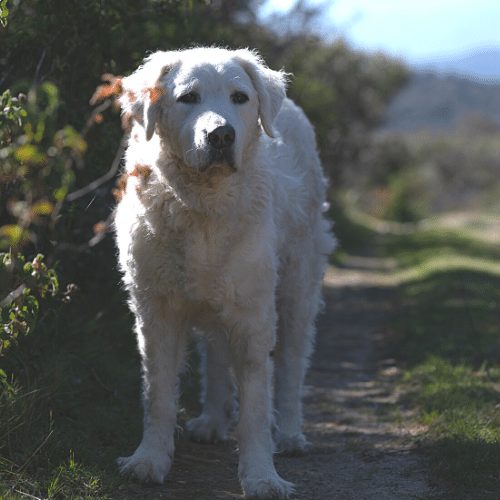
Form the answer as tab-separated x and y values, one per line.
4	12
37	165
11	115
31	282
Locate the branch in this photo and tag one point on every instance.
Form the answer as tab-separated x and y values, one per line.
39	65
102	234
27	494
104	178
96	239
7	301
99	109
42	444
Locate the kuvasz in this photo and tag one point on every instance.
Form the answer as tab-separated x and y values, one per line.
220	229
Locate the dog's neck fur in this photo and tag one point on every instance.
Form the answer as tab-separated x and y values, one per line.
213	192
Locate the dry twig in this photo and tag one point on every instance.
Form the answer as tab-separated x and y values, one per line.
104	178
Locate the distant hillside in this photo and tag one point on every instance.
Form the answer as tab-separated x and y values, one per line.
443	102
479	65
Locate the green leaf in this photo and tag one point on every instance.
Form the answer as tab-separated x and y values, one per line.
52	95
29	153
4	13
68	137
60	193
42	207
16	235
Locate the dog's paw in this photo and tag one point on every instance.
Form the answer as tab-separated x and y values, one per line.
291	444
269	487
207	429
148	466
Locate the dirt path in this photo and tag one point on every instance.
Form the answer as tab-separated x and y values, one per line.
358	452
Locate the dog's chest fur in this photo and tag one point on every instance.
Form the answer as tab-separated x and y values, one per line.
198	257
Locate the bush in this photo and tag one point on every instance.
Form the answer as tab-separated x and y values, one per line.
408	177
37	168
30	283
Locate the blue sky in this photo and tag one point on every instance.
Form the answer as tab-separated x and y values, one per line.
416	30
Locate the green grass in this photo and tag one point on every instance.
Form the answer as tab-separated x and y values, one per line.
450	313
424	244
71	404
446	337
448	340
458	404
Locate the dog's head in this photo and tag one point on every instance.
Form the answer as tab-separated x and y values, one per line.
207	104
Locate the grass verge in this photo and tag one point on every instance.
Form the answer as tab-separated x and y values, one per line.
447	340
70	404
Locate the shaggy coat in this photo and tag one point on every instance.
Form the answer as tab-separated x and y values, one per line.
220	230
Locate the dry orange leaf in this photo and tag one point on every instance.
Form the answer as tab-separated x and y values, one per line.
112	87
155	93
121	185
143	171
100	227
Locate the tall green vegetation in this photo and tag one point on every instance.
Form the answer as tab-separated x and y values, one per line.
407	177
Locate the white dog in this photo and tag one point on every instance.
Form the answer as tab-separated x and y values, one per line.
220	229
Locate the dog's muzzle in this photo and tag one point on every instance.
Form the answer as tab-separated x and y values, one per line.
221	141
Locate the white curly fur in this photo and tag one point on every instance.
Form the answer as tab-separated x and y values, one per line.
234	247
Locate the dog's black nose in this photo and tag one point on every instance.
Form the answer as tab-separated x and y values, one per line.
221	137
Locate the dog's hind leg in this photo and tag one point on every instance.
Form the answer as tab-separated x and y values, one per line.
297	302
218	392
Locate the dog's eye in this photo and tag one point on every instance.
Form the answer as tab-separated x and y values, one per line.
189	98
239	97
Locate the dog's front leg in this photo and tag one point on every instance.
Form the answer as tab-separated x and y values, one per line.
161	338
251	342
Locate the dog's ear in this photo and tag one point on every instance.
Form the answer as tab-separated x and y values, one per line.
143	90
270	86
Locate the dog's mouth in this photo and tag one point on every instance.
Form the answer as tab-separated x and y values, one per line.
219	160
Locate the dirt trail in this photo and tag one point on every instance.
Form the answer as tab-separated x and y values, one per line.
358	452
